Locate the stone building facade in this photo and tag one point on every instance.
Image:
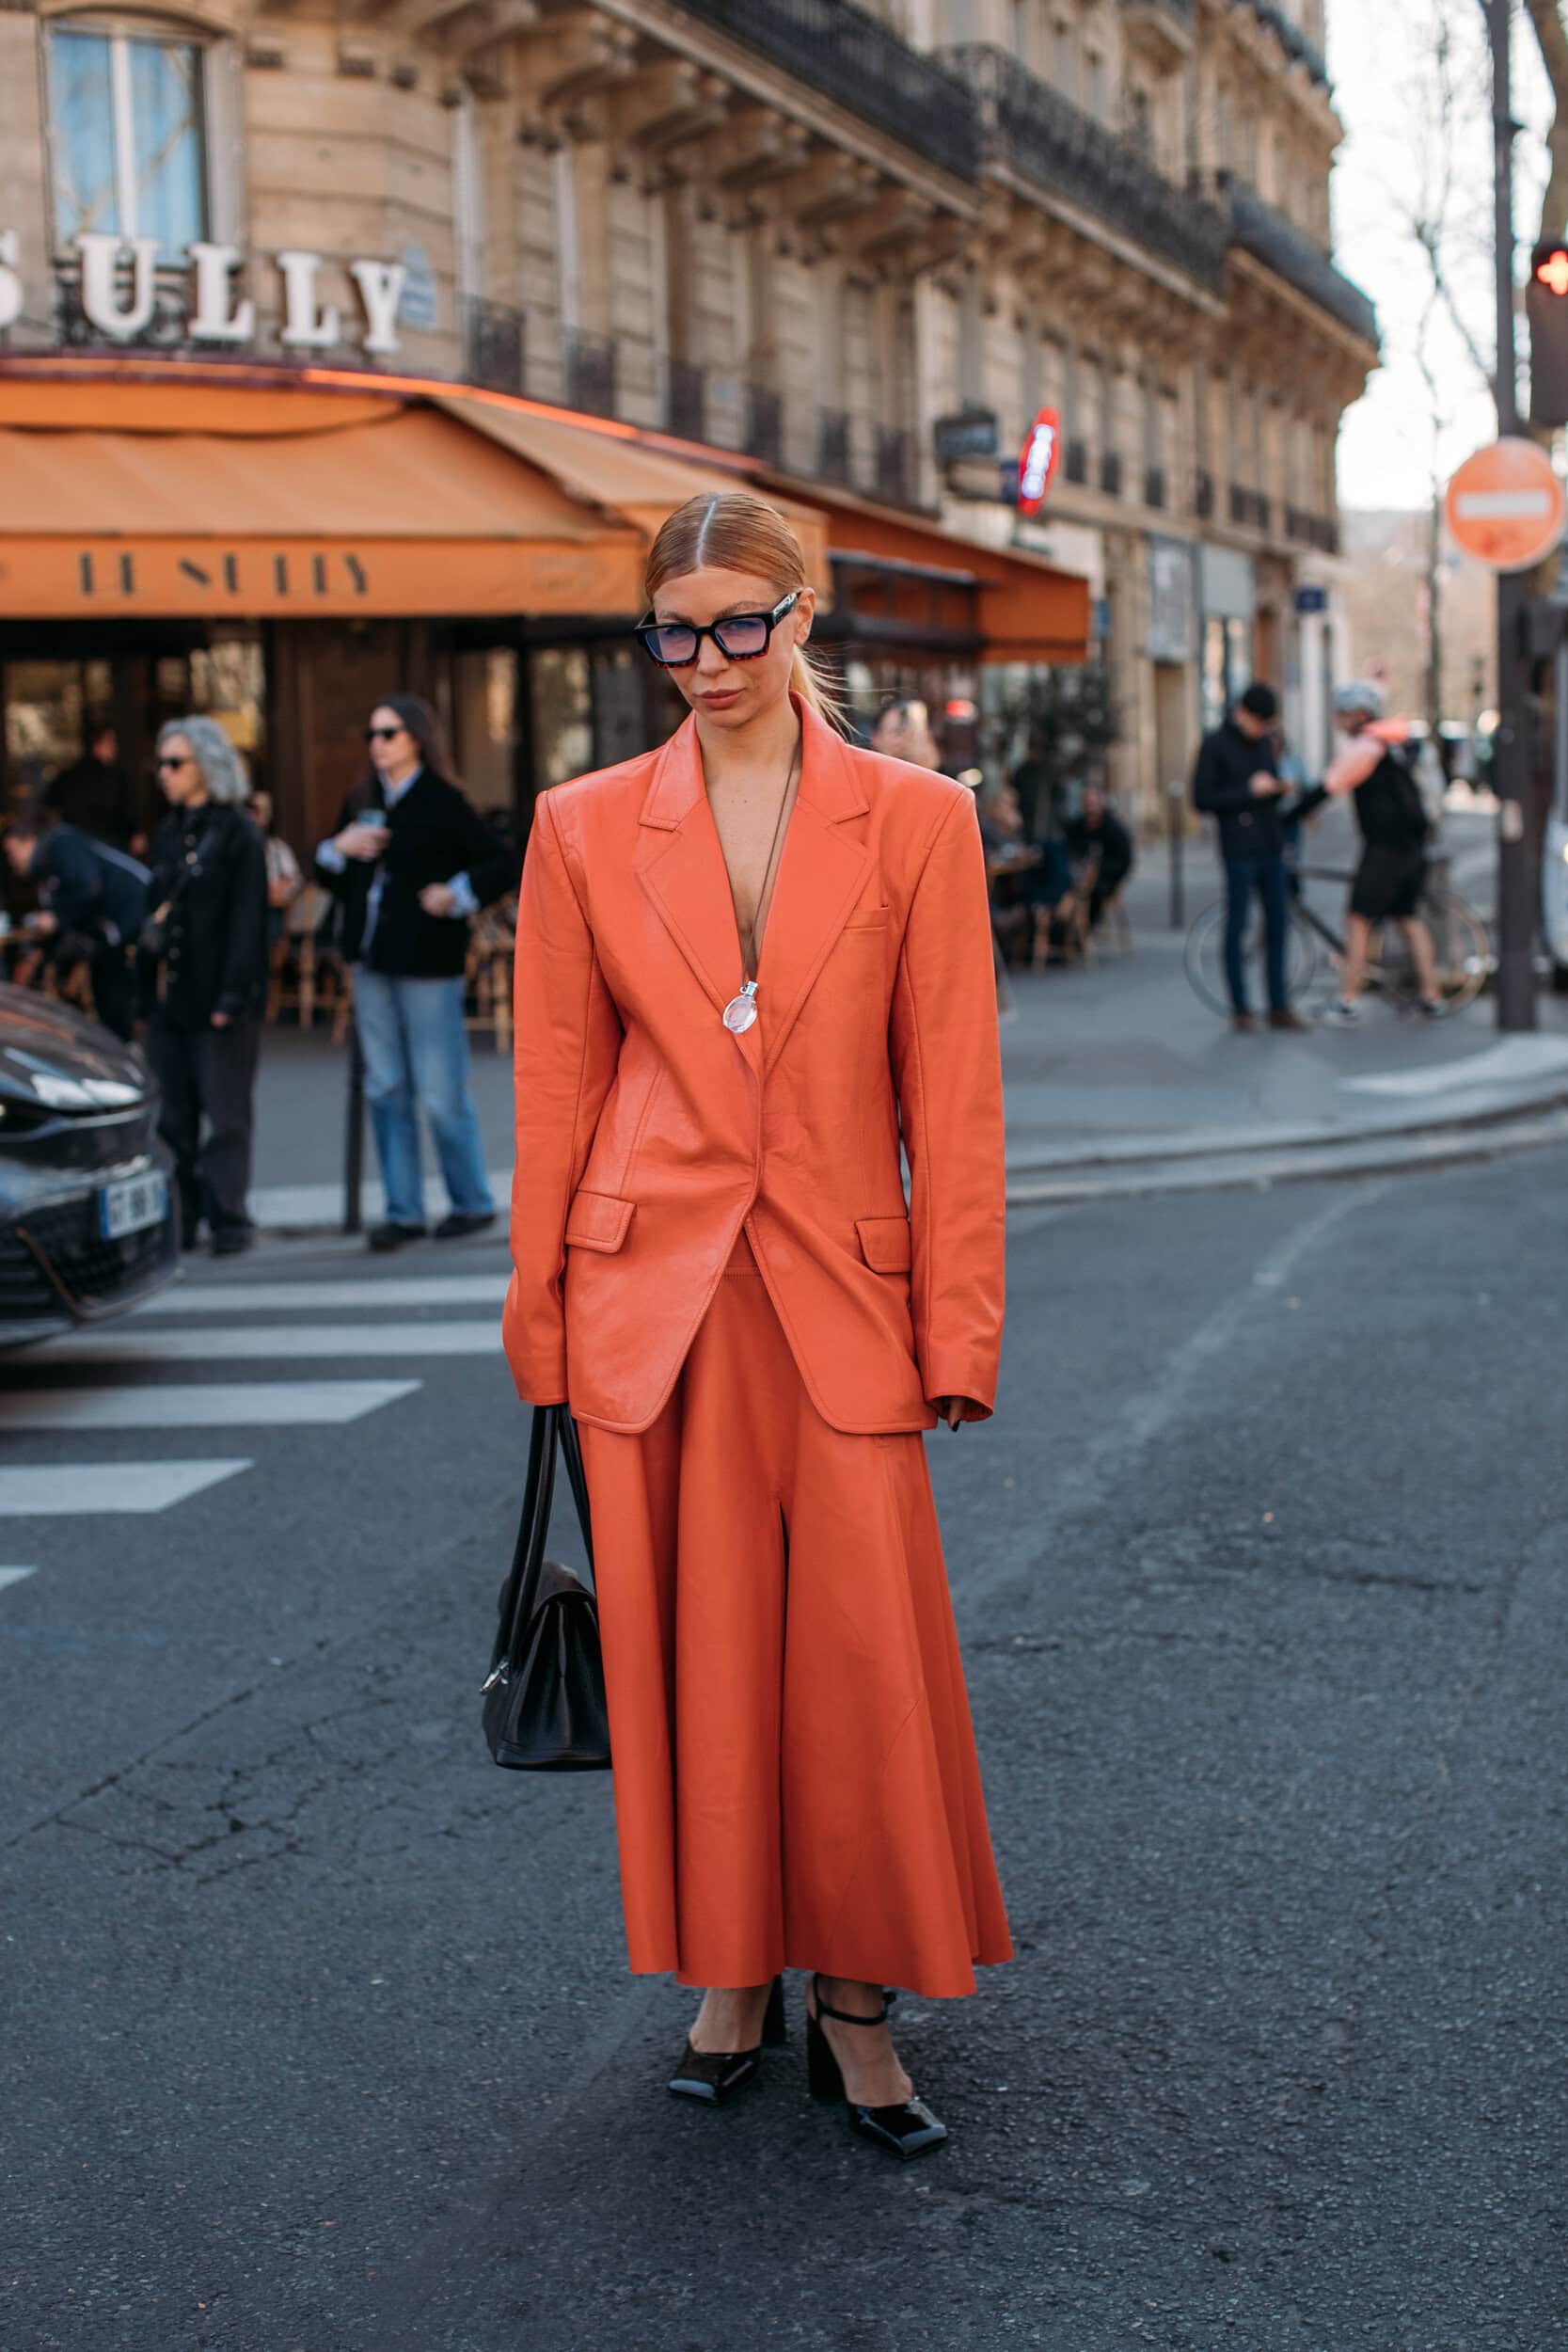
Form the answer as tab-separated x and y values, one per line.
848	249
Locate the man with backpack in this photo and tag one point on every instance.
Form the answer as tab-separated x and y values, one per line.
1376	765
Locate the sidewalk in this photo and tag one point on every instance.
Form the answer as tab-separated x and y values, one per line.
1118	1080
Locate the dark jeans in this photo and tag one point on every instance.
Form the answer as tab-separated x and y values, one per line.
1267	877
207	1074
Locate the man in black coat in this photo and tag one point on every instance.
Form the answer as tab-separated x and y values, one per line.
1100	849
1236	780
92	900
411	863
94	793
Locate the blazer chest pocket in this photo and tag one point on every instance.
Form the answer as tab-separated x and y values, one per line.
868	919
885	1243
597	1220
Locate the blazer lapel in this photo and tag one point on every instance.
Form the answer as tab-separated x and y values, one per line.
820	876
682	869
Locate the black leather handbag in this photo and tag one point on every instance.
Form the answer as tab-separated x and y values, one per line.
543	1698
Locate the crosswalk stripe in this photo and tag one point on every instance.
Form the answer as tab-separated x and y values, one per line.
215	1405
403	1290
14	1576
127	1344
66	1489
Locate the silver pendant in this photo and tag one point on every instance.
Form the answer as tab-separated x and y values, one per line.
741	1011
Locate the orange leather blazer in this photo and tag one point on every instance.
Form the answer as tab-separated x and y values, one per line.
648	1135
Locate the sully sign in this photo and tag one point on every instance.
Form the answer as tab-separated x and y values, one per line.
119	293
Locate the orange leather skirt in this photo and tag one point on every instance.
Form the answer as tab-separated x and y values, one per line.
796	1782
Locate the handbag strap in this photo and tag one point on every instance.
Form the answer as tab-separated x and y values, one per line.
553	1428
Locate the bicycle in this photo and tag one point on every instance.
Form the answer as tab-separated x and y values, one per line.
1315	953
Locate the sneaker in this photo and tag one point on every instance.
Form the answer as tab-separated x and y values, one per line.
1342	1016
463	1221
391	1236
1433	1008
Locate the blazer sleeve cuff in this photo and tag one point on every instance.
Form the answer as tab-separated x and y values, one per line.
959	1375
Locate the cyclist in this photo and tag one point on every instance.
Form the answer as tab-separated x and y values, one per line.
1376	766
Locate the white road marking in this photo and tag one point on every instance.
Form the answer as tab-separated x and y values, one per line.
216	1404
402	1290
127	1344
69	1489
1512	1060
14	1576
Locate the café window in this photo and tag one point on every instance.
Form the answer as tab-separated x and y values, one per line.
128	133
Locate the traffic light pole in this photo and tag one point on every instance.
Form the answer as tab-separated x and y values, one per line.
1515	897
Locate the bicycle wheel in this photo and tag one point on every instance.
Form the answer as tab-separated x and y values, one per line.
1459	944
1204	957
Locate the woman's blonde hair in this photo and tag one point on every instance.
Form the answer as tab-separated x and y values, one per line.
737	532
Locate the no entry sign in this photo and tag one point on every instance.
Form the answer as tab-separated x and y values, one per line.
1506	505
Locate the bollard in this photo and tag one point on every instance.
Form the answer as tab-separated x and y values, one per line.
353	1135
1176	795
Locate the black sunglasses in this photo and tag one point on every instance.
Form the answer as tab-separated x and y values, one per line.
383	735
165	760
740	636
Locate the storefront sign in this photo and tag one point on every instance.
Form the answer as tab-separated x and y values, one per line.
1037	461
119	293
1311	599
974	434
1171	617
1227	583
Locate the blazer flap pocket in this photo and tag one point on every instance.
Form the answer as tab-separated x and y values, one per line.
885	1243
597	1220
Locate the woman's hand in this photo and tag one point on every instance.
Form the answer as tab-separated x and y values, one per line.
361	840
436	898
956	1411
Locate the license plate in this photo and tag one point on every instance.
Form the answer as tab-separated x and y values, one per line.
131	1205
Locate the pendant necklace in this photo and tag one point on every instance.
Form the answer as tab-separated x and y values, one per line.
741	1011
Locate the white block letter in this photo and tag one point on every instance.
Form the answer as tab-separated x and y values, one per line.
380	285
305	327
10	284
101	255
215	322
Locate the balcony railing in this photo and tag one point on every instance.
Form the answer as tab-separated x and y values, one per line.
896	465
832	445
853	58
1076	462
1297	47
1154	486
686	400
1043	137
1250	510
1276	241
590	371
764	423
1110	473
494	343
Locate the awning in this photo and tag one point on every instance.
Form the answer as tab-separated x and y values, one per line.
613	465
1028	611
406	513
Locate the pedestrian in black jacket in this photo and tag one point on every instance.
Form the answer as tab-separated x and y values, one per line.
92	901
208	979
95	794
1236	780
412	862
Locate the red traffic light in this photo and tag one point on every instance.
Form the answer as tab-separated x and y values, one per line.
1551	268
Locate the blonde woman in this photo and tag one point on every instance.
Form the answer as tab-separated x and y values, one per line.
750	965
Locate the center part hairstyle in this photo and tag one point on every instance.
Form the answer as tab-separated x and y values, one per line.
734	532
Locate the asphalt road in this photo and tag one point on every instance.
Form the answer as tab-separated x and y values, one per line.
318	2037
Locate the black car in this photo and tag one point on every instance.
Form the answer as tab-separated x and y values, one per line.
87	1207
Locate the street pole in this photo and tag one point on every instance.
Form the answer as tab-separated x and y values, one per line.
353	1135
1175	804
1515	899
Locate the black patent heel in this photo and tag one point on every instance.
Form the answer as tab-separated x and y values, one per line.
905	2131
713	2075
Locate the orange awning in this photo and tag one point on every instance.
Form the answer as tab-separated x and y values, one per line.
406	513
1029	611
613	465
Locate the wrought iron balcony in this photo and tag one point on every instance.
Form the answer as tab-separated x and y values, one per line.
494	343
1297	47
832	445
1276	241
1044	138
590	371
853	58
764	423
1250	510
686	400
897	471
